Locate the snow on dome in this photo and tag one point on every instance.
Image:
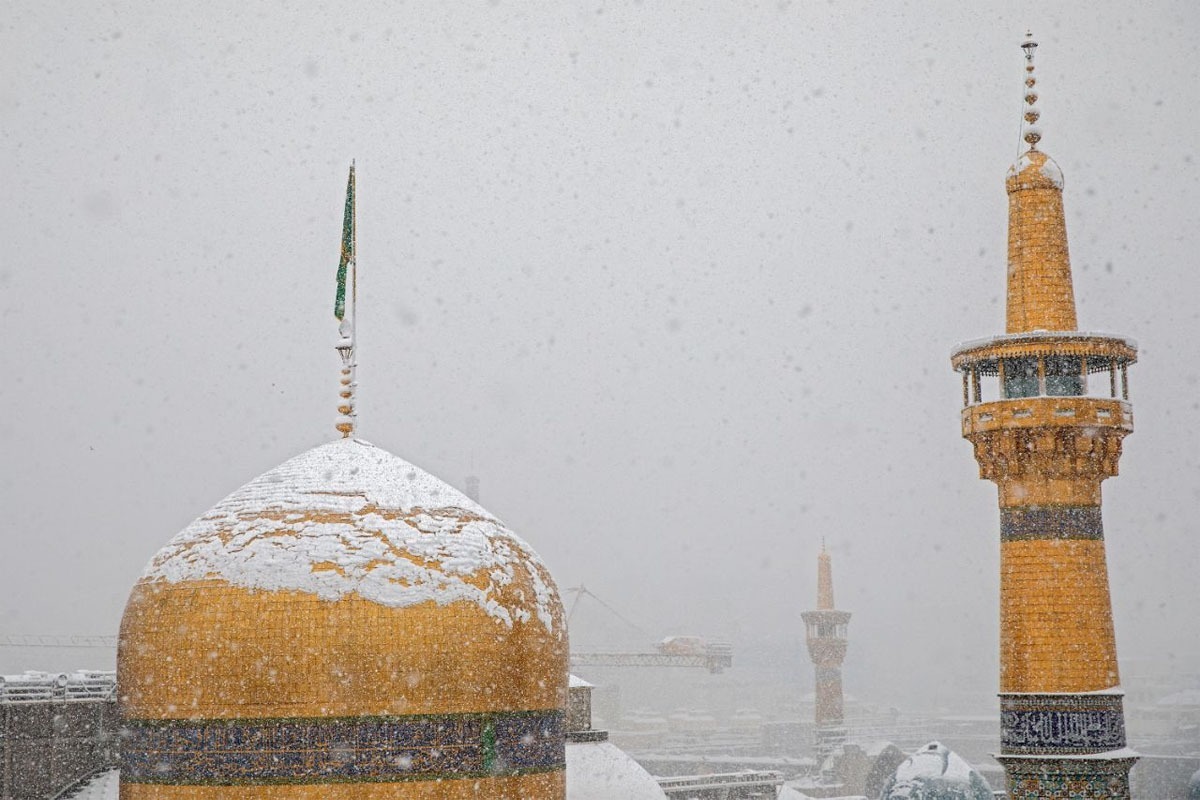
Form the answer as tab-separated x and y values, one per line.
936	773
348	517
602	771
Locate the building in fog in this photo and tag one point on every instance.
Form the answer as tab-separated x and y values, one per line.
1049	438
826	630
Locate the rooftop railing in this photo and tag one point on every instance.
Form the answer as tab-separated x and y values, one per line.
34	687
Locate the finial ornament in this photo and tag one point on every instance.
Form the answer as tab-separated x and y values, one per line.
1033	134
345	311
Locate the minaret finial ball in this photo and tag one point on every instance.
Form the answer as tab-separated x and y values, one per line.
1033	134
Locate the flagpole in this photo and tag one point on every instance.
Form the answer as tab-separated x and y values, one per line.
354	294
347	323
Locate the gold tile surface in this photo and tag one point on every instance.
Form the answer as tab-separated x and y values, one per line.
1056	630
545	786
212	650
1040	291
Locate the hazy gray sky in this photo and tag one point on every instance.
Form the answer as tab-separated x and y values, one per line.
678	282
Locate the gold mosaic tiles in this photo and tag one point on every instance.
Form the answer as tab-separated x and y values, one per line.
548	786
1040	291
1056	631
213	650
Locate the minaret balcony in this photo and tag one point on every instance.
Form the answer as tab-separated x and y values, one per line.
1045	364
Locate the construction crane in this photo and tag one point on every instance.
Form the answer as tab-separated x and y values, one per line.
673	651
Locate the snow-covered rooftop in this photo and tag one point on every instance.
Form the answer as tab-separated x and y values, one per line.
104	786
935	772
602	771
348	517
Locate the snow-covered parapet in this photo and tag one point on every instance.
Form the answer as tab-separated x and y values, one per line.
32	686
348	517
1035	336
601	771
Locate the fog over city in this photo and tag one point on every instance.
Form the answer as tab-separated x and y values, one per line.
677	282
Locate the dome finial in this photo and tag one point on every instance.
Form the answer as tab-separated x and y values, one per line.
1031	114
347	268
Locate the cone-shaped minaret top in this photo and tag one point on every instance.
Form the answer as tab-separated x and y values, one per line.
824	581
1040	294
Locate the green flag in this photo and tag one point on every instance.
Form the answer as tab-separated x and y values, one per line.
339	303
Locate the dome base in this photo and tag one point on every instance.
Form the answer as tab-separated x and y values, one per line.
547	786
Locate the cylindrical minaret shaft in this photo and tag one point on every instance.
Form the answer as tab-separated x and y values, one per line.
826	639
1048	446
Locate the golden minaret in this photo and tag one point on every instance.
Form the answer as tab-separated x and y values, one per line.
1048	443
826	639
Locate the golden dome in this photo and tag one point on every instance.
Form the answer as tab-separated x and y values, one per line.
345	625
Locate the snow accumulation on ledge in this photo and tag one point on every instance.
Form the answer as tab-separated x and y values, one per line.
348	517
1107	755
1111	690
1033	336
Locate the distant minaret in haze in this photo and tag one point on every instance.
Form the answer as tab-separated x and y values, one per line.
826	629
1048	443
472	487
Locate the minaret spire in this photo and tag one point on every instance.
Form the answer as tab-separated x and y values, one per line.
1041	295
346	313
826	639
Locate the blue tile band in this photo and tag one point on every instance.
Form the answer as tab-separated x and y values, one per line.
1050	522
342	749
1061	724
